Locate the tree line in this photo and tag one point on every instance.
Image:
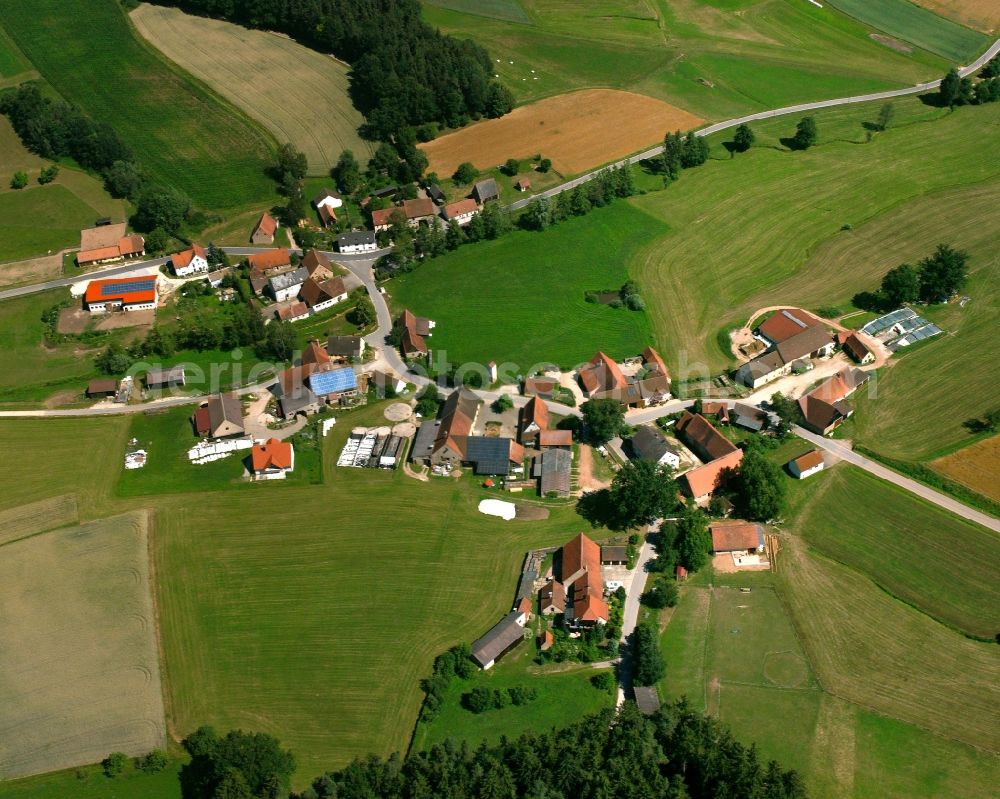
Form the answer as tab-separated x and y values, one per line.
404	73
934	279
956	90
677	753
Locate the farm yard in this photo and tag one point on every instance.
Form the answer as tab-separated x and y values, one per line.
298	94
71	695
578	131
529	303
182	133
975	466
715	60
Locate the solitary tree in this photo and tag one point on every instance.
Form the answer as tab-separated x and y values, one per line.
347	172
466	173
760	487
900	285
805	133
692	541
787	411
885	115
544	165
943	273
743	138
603	419
950	88
511	166
114	764
503	403
642	492
291	161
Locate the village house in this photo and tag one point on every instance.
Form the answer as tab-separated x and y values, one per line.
381	218
718	453
334	384
263	231
121	294
413	330
736	536
317	265
580	575
295	312
806	465
552	598
852	344
554	439
501	639
419	210
220	417
107	243
748	417
649	444
286	285
345	347
460	212
326	203
293	393
824	408
165	378
272	460
190	262
811	342
603	378
357	241
322	295
534	419
485	190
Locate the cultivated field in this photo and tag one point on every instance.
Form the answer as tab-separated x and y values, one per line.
522	297
577	131
718	60
983	15
83	677
298	94
181	133
905	548
975	466
37	517
923	28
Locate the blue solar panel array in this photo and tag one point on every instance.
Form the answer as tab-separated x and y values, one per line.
139	284
334	381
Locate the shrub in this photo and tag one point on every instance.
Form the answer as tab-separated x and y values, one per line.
19	181
114	764
635	302
153	762
466	173
605	681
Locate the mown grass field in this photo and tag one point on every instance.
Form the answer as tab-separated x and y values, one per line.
91	783
182	133
798	666
520	299
565	694
84	677
906	547
716	60
911	23
298	94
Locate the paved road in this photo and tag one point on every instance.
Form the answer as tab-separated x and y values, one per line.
845	453
630	616
111	271
708	130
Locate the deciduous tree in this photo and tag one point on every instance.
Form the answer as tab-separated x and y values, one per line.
743	138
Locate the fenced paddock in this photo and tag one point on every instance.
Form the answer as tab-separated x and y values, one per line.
79	672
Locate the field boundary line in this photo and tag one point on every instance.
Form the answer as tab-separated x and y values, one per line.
161	655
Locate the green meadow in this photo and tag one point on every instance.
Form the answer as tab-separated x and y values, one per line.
182	133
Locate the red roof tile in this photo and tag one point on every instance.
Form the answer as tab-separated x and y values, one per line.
273	454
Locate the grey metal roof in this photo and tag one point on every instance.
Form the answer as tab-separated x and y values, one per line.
356	238
650	444
294	278
647	699
485	189
555	471
165	375
502	636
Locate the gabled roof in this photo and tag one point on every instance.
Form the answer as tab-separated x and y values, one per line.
127	290
458	414
95	238
485	189
652	360
333	381
602	373
344	345
856	348
523	183
540	385
492	455
580	554
535	412
705	479
555	438
267	224
650	444
181	259
288	280
294	311
786	323
840	386
314	292
467	206
314	260
803	343
102	385
419	208
820	414
225	408
356	238
412	343
736	535
273	454
314	353
552	595
809	460
503	635
381	216
707	442
556	468
269	259
324	194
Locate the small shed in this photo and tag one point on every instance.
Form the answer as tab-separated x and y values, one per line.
503	637
806	465
102	387
614	555
647	699
165	378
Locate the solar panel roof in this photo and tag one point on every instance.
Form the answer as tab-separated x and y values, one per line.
333	381
488	455
876	326
127	287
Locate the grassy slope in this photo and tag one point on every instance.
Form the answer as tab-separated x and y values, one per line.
90	783
298	94
521	298
704	58
181	133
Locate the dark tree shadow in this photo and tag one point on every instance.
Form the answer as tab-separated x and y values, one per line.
933	99
975	425
791	143
872	127
596	507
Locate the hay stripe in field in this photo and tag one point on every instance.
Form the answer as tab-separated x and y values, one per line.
577	131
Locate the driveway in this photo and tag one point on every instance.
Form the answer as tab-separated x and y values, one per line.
630	617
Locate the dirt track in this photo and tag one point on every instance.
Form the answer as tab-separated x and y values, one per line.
577	131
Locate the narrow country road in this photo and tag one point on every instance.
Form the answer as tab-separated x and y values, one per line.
845	453
630	616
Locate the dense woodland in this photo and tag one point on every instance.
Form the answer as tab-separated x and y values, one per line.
675	754
403	72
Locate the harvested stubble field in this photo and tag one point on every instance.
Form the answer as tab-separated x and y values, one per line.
182	134
83	678
982	15
976	466
578	131
298	94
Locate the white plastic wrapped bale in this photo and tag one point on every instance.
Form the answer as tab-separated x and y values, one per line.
497	507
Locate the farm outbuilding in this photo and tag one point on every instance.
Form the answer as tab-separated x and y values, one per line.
501	639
